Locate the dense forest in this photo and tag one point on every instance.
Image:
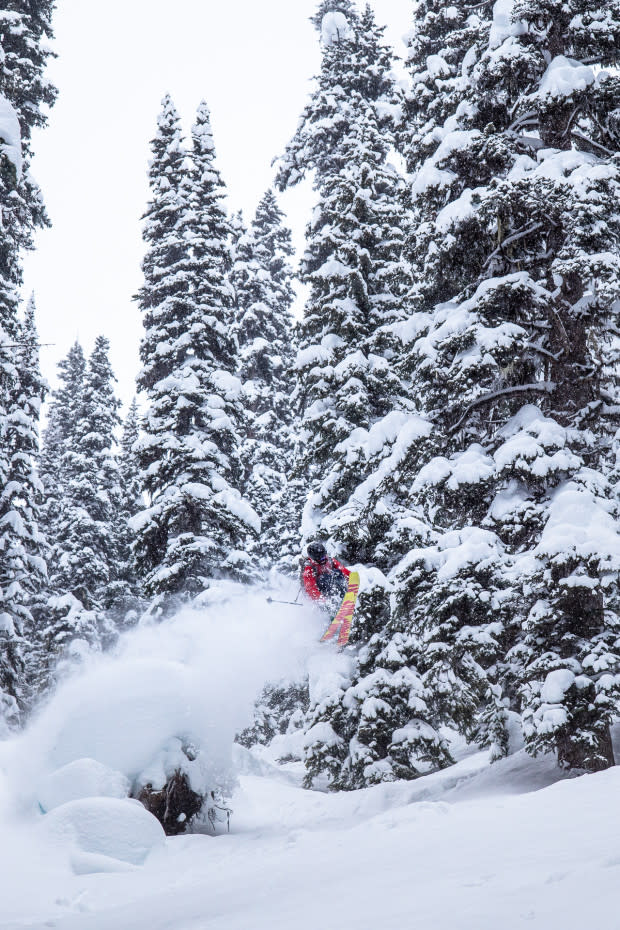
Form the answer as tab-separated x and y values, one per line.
445	415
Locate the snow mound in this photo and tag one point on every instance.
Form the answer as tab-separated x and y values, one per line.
93	828
84	778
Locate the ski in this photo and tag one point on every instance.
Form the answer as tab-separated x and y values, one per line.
341	624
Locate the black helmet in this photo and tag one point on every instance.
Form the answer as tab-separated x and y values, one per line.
317	551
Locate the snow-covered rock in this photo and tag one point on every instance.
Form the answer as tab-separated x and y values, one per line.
104	827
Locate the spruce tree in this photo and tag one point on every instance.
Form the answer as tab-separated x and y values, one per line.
84	537
232	521
441	36
94	483
510	606
63	621
197	523
23	573
352	264
353	402
79	456
556	221
24	92
356	68
264	330
62	417
125	595
26	50
358	282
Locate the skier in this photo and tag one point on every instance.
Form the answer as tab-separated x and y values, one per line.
324	579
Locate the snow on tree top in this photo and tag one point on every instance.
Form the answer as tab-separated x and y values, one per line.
334	28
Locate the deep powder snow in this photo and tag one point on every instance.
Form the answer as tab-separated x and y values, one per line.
473	847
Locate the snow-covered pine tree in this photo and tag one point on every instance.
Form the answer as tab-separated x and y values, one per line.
197	523
97	489
352	262
82	523
358	282
356	67
264	330
63	618
555	219
440	38
23	572
354	405
125	595
512	606
23	92
279	711
62	416
232	521
238	229
11	660
26	35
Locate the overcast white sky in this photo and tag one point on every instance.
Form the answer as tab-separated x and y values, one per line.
250	59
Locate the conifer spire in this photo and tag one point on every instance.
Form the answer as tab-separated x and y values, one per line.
196	525
23	572
265	333
346	7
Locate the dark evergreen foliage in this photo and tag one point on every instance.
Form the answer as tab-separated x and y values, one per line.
265	333
197	524
82	502
125	594
24	549
490	503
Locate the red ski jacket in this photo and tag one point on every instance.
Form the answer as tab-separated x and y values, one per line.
313	571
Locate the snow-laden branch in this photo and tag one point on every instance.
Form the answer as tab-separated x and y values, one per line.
545	386
539	349
596	145
526	119
520	234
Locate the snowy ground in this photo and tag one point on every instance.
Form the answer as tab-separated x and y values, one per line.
472	848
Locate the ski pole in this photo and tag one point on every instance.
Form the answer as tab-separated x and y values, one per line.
272	600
